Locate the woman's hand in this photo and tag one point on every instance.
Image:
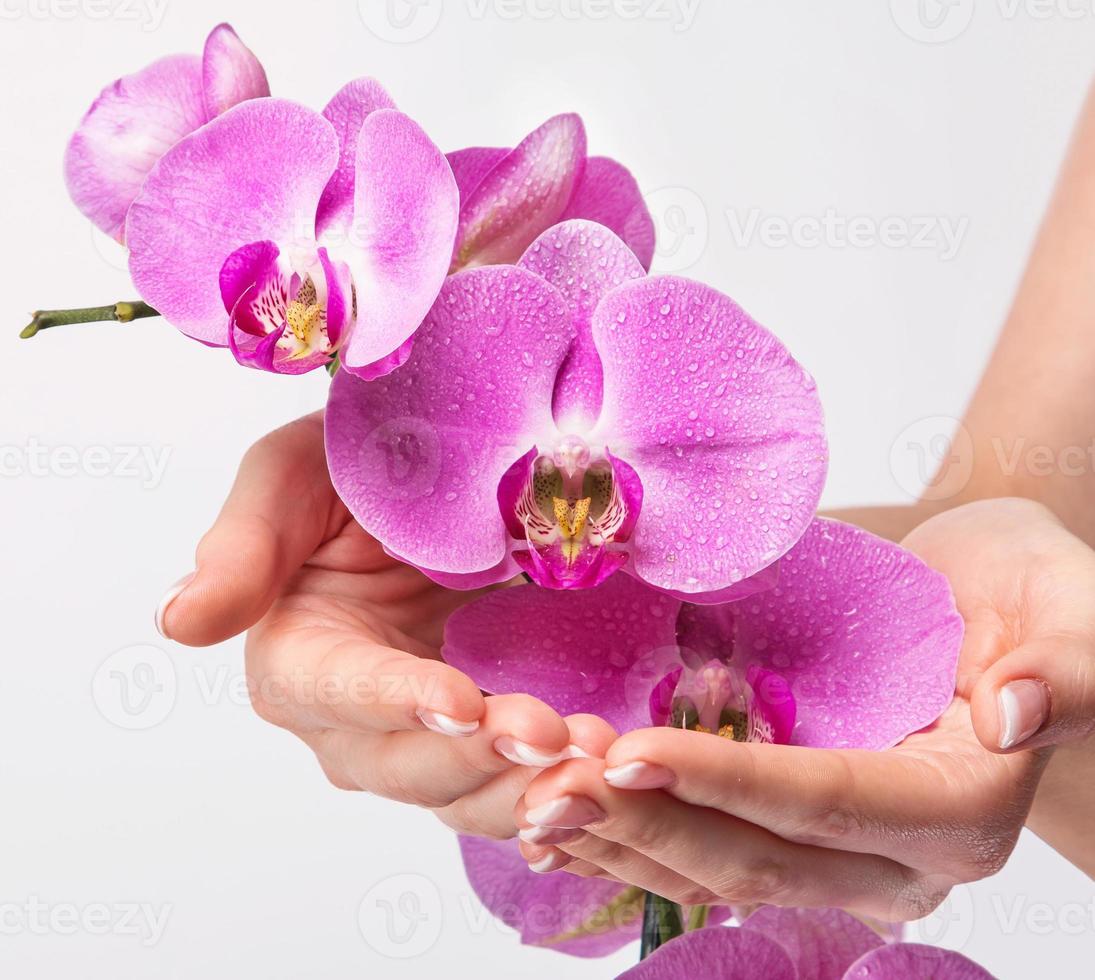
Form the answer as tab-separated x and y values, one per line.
697	818
343	647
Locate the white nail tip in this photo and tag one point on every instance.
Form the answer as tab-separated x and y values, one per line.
546	813
169	597
624	775
544	865
533	835
523	754
435	721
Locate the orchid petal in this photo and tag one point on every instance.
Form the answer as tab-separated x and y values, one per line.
579	916
913	961
865	633
584	261
722	425
230	72
822	943
347	111
717	951
132	123
524	194
253	174
609	195
405	212
417	456
598	651
472	164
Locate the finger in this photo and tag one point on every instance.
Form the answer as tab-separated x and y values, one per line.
593	735
309	678
431	771
739	862
905	807
278	512
616	861
1041	694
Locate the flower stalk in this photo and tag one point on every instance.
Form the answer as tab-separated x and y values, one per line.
662	921
122	312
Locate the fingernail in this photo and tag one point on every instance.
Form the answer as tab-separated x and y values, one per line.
444	725
551	861
566	811
1023	707
576	752
169	597
546	835
639	775
522	754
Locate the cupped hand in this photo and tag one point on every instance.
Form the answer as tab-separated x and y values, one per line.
343	647
698	818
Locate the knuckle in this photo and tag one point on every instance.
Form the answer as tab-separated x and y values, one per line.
764	881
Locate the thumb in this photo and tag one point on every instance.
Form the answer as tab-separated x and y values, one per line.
1042	693
277	514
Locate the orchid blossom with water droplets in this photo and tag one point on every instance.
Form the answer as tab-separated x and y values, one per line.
856	647
570	416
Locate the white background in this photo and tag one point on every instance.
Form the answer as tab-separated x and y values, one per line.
780	110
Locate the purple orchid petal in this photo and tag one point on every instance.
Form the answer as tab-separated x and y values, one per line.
717	951
551	568
584	261
132	123
609	195
866	634
347	111
255	263
773	712
253	174
579	916
417	456
822	943
406	207
231	74
472	164
600	650
764	580
722	426
912	961
524	194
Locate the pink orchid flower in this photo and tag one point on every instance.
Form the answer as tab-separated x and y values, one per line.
856	647
138	118
509	197
570	416
800	944
288	235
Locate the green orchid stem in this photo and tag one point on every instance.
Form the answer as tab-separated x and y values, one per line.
116	312
662	921
697	917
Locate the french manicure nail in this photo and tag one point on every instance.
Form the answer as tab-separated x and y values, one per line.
169	597
545	835
1023	707
573	751
444	725
549	862
565	812
639	775
522	754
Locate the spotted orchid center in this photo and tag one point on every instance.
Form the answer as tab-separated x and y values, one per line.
716	699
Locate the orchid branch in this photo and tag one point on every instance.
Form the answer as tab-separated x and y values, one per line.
117	312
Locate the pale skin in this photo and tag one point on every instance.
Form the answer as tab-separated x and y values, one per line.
343	652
